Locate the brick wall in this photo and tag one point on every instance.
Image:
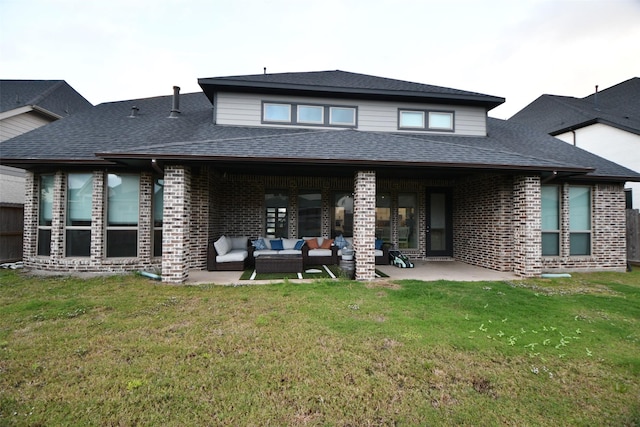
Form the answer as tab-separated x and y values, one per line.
482	221
608	233
496	220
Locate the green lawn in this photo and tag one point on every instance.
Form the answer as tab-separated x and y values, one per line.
130	351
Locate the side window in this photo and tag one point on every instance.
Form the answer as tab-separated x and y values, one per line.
550	220
78	223
123	201
579	221
45	214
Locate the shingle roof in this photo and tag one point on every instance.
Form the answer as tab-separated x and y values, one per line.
344	83
109	130
618	106
55	96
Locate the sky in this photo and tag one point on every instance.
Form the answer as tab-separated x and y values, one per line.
112	50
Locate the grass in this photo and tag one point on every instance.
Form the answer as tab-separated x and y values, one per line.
129	351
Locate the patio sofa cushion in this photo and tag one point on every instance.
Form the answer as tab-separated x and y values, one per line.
222	245
228	253
275	247
319	250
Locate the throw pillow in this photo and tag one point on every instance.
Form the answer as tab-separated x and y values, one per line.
326	244
276	245
299	245
312	243
379	243
340	242
259	244
222	245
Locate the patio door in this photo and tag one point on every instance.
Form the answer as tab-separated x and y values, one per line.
439	220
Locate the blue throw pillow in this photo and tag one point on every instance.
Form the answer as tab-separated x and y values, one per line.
299	245
340	242
379	243
276	245
259	244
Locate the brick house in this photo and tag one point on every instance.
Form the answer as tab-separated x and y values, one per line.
150	182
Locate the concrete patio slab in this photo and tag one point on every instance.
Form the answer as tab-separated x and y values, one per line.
423	270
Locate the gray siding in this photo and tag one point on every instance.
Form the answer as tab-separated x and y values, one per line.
376	116
22	123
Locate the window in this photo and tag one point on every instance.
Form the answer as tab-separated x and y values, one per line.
342	116
579	221
550	220
277	204
277	112
412	119
309	213
310	114
79	205
442	121
407	232
45	215
383	217
425	120
123	199
343	214
158	209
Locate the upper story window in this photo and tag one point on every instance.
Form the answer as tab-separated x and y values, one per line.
305	114
311	114
426	120
277	112
342	116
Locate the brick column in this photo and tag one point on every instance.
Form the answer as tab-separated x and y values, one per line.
59	215
527	229
30	230
364	224
98	219
175	227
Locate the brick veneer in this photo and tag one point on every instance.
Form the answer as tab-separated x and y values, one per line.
496	220
176	223
482	221
364	224
608	233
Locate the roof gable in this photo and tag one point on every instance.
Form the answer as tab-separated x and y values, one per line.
617	106
53	97
346	85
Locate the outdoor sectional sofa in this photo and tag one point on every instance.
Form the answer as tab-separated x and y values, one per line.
311	249
229	254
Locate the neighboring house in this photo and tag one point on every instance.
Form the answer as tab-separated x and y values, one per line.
26	105
150	182
606	123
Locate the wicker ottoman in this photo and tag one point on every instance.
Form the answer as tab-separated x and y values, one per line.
279	264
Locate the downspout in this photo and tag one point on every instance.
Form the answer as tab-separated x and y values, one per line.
551	177
573	132
156	167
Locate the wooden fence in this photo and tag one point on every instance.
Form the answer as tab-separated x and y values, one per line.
11	226
633	236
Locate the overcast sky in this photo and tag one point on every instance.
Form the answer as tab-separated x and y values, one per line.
111	50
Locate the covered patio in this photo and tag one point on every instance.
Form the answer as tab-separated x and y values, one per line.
423	270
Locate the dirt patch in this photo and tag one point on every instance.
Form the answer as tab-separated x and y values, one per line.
386	284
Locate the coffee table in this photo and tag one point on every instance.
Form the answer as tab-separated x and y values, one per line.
279	263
